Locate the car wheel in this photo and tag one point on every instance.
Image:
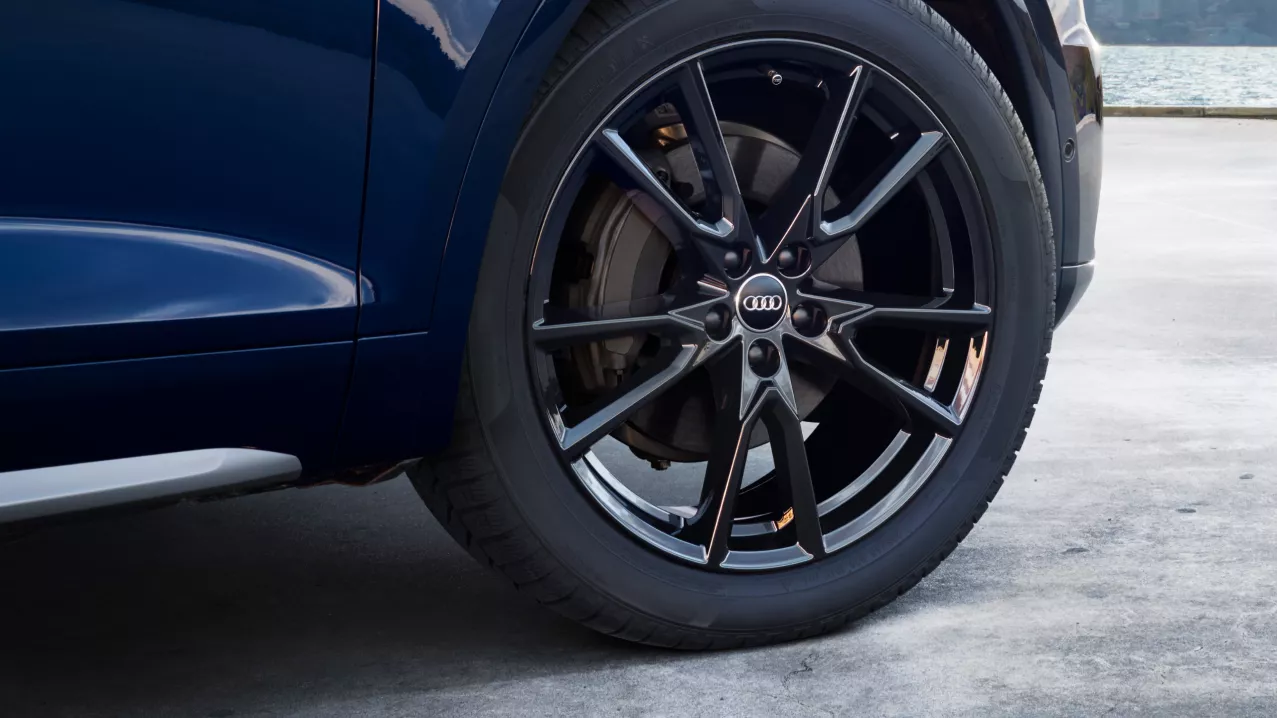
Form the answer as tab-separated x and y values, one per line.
762	318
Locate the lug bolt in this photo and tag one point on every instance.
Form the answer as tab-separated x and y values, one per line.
717	321
733	261
787	259
764	358
809	320
802	319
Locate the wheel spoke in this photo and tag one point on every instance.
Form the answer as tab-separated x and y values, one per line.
976	319
886	184
833	351
694	238
551	336
824	350
778	386
917	403
711	526
836	307
696	108
661	315
790	214
604	416
651	196
853	308
790	455
724	205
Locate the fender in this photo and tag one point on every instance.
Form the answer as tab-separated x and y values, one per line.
1081	54
1061	104
404	386
1046	58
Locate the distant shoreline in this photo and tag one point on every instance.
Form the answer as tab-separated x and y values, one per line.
1173	45
1222	76
1234	113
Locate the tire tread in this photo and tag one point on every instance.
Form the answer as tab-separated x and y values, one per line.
461	487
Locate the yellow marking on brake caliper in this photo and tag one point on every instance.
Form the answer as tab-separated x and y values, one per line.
784	520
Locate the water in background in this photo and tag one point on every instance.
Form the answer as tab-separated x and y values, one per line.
1210	76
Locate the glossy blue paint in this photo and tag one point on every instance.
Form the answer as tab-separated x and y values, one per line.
475	205
392	401
180	176
287	400
436	99
189	179
243	118
75	291
437	64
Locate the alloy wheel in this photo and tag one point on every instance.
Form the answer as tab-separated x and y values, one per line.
859	386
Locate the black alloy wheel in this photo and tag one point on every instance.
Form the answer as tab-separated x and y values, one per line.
745	300
789	244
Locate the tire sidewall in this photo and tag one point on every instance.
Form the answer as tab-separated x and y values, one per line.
572	528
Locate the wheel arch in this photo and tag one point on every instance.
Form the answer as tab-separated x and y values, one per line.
1020	42
1026	58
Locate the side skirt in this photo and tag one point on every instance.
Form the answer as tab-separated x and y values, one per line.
37	493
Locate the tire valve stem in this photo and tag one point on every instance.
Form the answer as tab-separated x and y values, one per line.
772	75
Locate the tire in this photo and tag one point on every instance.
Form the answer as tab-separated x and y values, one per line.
505	495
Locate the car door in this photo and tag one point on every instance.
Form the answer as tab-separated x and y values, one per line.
181	186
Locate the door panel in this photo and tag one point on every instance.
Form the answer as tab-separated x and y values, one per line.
226	139
75	291
286	400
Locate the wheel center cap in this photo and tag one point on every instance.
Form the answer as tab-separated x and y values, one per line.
761	302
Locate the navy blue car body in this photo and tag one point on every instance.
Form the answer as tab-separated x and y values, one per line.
234	223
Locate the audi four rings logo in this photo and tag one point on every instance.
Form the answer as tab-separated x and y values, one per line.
763	303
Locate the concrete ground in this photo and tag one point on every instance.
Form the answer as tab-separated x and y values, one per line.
1129	566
